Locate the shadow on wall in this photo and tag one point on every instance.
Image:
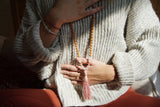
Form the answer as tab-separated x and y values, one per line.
6	24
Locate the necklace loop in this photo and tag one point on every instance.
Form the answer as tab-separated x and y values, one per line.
91	38
86	88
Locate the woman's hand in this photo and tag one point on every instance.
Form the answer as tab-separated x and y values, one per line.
98	72
66	11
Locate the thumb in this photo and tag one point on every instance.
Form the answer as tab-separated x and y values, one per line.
85	61
81	60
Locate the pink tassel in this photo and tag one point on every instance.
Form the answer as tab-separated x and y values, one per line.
86	88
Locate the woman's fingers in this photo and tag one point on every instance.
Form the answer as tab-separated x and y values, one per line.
86	61
81	60
67	11
73	75
69	67
73	78
81	69
90	2
69	73
92	11
77	82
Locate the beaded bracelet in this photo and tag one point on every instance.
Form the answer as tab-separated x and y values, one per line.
51	24
46	27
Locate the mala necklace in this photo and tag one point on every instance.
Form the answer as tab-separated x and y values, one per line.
86	88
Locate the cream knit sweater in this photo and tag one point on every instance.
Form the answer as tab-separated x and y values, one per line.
127	34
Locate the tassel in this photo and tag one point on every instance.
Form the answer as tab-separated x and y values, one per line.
86	88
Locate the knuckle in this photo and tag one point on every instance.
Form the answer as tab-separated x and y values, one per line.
72	74
68	73
79	74
68	67
76	74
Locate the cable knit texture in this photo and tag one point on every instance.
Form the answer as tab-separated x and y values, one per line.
126	33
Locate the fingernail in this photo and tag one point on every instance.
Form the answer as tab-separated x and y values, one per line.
74	82
64	76
77	59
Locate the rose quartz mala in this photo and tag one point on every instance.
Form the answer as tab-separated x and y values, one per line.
86	88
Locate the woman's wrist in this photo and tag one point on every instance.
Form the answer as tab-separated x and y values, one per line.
52	26
52	19
115	72
49	28
51	22
111	71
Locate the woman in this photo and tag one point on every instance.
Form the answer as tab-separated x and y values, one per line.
107	44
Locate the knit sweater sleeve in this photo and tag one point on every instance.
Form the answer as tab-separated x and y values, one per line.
28	45
141	59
